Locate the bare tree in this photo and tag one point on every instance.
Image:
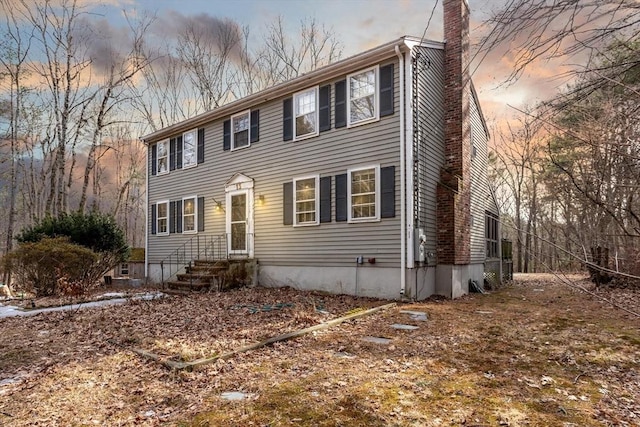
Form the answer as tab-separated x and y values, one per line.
13	55
551	29
208	53
283	57
518	158
119	70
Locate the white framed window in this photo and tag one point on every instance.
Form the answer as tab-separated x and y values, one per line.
362	96
240	127
363	194
162	217
306	200
189	214
189	148
305	106
163	157
124	269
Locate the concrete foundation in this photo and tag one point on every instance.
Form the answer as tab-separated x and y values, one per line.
451	281
363	281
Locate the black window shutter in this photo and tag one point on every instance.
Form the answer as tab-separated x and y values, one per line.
178	215
287	208
287	119
255	126
179	152
341	197
324	109
172	217
340	109
325	199
201	145
388	192
226	135
200	213
154	159
386	90
172	154
154	217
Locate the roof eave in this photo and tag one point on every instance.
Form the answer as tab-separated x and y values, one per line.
289	87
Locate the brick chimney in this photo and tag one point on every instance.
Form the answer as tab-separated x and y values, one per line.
454	196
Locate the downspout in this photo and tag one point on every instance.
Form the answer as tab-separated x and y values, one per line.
146	217
403	213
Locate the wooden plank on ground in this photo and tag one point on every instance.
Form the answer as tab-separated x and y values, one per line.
172	364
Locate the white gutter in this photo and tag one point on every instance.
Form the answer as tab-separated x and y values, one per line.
403	213
146	216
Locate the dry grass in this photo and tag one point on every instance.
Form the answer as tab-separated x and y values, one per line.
533	354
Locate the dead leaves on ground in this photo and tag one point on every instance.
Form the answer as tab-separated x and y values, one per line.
536	353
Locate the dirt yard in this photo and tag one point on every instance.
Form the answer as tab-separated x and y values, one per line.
536	353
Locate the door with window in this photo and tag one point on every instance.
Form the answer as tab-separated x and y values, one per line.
239	212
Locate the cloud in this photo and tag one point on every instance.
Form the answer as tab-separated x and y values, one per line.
203	29
107	46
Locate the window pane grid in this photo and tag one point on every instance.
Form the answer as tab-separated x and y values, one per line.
189	149
305	113
163	155
362	89
305	201
363	194
189	214
162	220
240	126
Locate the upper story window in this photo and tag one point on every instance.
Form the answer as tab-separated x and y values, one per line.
189	153
163	157
363	194
240	125
306	200
189	215
241	130
162	217
183	151
362	98
306	113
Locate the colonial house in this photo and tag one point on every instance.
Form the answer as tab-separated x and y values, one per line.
367	176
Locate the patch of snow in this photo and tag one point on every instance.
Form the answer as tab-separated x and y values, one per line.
235	395
11	311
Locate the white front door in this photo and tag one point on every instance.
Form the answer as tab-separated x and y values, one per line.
239	229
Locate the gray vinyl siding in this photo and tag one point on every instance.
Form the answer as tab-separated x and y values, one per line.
271	162
479	182
428	146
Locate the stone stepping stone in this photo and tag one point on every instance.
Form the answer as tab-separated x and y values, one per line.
420	316
404	327
377	340
344	355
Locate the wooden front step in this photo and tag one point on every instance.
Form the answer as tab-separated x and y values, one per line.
202	275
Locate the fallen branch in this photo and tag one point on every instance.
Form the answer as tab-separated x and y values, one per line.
172	364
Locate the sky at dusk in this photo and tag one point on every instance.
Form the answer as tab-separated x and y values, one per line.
363	24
